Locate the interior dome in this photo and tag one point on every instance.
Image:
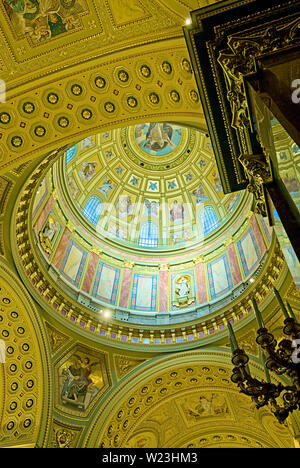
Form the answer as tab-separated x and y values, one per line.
152	186
134	222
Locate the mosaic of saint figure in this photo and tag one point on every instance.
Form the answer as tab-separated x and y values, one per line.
176	212
80	378
125	207
159	136
152	207
47	234
199	195
88	170
217	182
205	405
106	187
156	138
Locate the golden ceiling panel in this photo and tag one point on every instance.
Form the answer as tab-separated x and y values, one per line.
146	86
36	35
56	338
25	382
189	405
125	364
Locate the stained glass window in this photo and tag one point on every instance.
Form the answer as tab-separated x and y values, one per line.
93	209
208	220
70	153
149	235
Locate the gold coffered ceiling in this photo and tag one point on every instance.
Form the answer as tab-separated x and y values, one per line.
60	47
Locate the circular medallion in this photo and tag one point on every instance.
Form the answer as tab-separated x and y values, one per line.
100	82
76	89
5	118
52	98
28	107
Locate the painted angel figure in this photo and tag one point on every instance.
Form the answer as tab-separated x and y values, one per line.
158	136
88	170
106	187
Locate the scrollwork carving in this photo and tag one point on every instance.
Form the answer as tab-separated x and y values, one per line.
258	172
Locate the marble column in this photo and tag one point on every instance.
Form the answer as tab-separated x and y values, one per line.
126	282
233	262
60	251
200	280
258	235
163	288
43	216
91	268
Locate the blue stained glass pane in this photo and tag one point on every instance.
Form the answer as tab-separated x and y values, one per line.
208	220
70	153
93	209
149	235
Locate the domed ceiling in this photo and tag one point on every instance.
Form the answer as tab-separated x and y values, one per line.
134	223
151	186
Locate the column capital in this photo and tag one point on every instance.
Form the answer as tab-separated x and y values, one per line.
128	264
163	267
199	259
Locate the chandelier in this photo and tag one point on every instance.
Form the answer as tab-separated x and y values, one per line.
281	357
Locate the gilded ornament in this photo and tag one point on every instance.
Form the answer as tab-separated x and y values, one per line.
63	122
145	71
154	98
100	82
28	107
40	131
109	107
86	114
258	172
175	96
76	89
186	66
166	67
17	141
194	96
5	118
123	76
132	101
52	98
